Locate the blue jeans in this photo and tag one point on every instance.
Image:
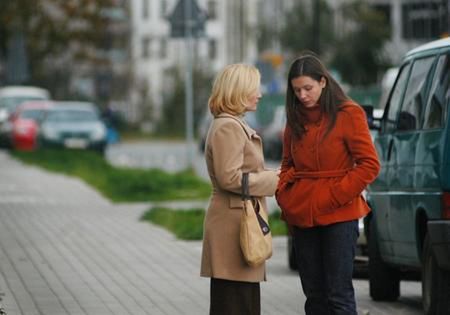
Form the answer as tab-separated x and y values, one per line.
325	257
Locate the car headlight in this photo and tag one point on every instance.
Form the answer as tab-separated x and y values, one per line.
49	133
99	133
3	114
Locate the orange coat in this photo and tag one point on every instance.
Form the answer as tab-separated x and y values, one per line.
327	176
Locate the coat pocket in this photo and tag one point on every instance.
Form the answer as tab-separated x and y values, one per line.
324	200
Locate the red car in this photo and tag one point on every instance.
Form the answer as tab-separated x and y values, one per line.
24	124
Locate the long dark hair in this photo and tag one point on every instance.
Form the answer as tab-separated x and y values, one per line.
332	94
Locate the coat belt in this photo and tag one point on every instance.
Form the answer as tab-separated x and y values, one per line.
321	174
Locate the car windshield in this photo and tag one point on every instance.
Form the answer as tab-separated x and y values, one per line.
71	115
10	103
34	114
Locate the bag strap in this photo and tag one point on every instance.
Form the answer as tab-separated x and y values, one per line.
245	195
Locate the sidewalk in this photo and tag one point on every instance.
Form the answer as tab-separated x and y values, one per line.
64	249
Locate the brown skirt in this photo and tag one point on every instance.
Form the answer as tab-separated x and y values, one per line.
234	297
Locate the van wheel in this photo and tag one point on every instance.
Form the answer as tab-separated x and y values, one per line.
435	284
384	281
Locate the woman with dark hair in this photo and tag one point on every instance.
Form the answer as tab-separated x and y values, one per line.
328	160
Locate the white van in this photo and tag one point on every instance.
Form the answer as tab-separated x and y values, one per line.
13	96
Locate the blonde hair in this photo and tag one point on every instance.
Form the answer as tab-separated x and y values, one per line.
232	88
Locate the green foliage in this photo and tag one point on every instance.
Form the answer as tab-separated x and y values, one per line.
358	53
173	122
277	226
188	224
120	184
299	31
173	116
203	81
55	29
354	46
185	224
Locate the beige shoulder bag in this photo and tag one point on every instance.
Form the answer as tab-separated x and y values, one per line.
255	235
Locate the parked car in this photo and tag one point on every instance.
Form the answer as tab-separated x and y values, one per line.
24	122
409	229
387	81
272	135
73	125
10	98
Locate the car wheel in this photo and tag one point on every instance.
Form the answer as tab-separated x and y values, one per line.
384	280
435	284
292	260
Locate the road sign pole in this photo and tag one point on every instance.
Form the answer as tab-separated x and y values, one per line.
189	86
188	21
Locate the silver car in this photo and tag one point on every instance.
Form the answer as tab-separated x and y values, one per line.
73	125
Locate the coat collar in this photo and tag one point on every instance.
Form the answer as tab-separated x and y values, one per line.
248	130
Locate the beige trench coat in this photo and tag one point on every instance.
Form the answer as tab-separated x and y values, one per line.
232	148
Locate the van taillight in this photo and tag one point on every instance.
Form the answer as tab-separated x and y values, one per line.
446	205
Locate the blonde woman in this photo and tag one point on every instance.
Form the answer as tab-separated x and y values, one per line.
233	148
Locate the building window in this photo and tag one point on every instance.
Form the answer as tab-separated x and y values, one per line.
426	20
145	9
212	49
146	42
163	8
163	48
212	10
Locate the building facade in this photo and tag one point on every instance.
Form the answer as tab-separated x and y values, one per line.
413	22
230	36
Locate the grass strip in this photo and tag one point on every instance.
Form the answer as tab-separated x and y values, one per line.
119	184
187	224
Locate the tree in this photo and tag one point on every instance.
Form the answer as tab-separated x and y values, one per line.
59	35
300	31
358	55
173	120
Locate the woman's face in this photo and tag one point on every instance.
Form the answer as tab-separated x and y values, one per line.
253	101
308	90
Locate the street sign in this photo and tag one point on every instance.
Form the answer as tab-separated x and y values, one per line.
187	13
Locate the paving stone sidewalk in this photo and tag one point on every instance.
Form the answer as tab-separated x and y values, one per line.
64	249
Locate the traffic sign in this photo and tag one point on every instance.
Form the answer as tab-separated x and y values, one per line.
187	13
